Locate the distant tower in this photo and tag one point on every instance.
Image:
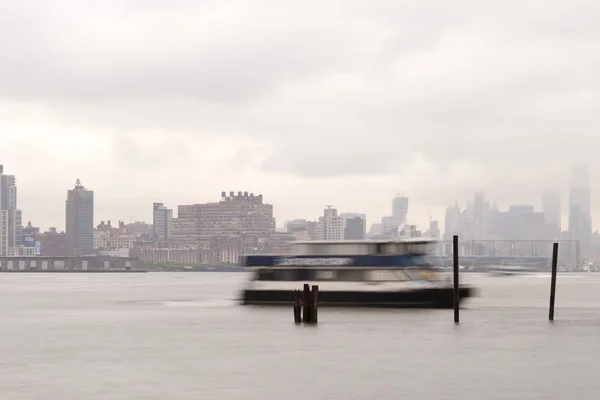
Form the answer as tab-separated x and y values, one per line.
10	216
452	221
580	218
552	211
162	220
354	226
481	211
399	209
330	225
80	220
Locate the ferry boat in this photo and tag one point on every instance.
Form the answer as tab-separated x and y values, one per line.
392	273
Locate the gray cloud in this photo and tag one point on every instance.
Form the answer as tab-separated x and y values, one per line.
334	88
227	54
130	151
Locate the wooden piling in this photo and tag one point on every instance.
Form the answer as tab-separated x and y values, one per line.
553	280
306	304
456	282
297	306
315	304
306	300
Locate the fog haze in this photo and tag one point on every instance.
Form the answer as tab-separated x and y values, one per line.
311	103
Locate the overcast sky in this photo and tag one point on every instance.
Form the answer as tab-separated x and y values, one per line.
309	103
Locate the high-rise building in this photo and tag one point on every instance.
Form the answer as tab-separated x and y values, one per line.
80	220
524	223
452	221
580	218
399	209
10	216
355	228
391	225
162	221
552	212
302	229
233	216
480	213
237	225
434	229
52	243
353	219
28	237
330	225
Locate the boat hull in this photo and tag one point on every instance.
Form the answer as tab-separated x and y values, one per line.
438	298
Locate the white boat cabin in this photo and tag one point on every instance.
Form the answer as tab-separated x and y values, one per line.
416	246
323	266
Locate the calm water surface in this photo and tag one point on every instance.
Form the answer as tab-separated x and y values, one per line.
182	336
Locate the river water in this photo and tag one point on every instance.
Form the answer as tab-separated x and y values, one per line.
182	336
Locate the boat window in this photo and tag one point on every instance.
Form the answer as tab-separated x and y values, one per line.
423	275
392	248
421	260
350	275
306	275
266	275
338	249
406	248
386	275
377	275
420	248
287	274
326	275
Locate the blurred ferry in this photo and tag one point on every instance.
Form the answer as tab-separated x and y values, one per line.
391	273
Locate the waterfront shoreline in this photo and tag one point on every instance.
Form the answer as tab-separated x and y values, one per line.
217	269
73	271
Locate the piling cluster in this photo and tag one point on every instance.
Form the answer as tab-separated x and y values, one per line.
306	304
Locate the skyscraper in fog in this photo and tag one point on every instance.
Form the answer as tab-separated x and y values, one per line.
480	217
392	224
399	209
580	218
452	223
80	220
552	211
10	216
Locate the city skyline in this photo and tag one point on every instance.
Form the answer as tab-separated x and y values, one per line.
241	223
370	218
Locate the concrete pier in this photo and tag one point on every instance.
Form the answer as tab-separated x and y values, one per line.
69	264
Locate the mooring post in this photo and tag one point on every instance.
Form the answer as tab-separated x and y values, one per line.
315	304
455	273
297	307
553	280
306	303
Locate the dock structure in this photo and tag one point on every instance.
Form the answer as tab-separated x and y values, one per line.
68	264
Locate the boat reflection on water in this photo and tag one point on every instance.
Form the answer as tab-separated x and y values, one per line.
392	273
512	270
